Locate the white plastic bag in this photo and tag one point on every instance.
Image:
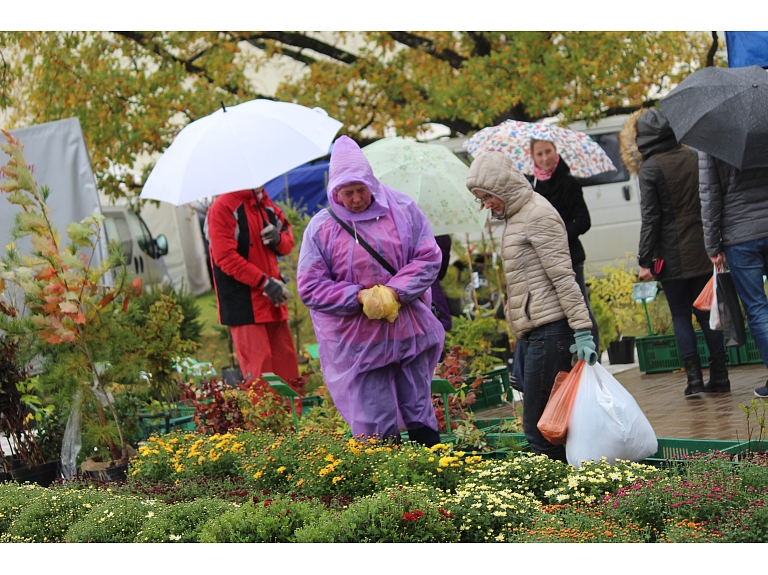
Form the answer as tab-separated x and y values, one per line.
607	422
714	313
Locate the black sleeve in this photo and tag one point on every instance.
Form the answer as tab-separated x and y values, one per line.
578	222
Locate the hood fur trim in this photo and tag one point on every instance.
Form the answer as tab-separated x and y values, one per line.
630	154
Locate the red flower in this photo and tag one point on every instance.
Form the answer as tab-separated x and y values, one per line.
409	517
445	513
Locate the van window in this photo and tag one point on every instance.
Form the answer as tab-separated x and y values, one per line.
116	229
609	143
141	231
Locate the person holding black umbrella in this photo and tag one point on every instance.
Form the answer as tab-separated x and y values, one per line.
671	232
723	113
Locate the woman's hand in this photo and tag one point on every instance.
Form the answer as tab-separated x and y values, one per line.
645	274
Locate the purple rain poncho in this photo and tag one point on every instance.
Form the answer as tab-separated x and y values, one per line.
378	373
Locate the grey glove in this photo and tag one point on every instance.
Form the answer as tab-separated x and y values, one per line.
270	235
584	348
276	291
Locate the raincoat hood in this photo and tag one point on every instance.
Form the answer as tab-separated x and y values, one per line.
348	165
496	174
645	133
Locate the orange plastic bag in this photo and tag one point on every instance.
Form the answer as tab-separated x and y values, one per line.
553	423
704	301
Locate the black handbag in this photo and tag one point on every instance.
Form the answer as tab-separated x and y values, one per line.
376	255
729	307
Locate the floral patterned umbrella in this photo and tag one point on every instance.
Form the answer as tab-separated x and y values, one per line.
583	155
434	177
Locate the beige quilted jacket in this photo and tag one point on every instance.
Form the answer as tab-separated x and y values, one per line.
537	264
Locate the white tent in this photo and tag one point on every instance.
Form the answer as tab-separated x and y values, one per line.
59	159
186	251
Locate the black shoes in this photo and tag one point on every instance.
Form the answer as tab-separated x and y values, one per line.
718	375
693	373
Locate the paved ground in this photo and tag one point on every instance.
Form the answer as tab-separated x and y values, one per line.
704	416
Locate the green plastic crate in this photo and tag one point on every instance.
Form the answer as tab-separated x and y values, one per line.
494	386
674	450
659	353
748	352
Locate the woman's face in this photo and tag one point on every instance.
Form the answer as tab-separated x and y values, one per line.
489	201
544	155
356	197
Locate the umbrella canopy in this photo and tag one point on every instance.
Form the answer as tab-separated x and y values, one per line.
238	148
724	112
583	155
433	176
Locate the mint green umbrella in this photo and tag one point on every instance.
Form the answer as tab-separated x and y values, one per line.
434	177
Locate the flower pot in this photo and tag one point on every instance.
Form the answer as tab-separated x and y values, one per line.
43	474
622	351
110	474
231	377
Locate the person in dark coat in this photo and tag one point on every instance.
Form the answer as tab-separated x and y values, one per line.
552	179
734	209
672	232
438	295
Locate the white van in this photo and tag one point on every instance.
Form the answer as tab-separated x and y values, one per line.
143	253
613	200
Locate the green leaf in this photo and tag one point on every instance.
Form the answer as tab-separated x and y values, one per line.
20	199
80	234
71	261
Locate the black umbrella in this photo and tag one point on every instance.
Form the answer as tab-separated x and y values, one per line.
724	112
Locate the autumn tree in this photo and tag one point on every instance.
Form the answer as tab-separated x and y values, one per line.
133	91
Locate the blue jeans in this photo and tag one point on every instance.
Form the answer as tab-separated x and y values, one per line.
680	296
547	352
749	263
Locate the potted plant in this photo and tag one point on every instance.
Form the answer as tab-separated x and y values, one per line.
616	313
19	410
67	314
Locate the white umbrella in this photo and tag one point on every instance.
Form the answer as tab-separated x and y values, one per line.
434	177
239	148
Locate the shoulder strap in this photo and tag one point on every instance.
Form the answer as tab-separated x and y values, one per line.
384	263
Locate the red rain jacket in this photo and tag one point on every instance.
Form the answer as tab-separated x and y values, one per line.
241	263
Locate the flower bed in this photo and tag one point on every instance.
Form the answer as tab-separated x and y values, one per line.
320	487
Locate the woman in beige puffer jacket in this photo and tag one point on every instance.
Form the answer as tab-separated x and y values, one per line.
544	304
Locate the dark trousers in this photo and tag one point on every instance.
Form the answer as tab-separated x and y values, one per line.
680	296
579	271
546	353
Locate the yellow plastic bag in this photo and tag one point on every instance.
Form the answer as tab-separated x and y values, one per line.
379	303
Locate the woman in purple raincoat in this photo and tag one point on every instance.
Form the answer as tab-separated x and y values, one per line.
378	372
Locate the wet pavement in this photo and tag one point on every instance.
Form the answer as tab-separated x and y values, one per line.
672	414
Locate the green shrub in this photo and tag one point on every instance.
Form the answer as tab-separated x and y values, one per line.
14	497
527	474
485	513
269	521
115	521
181	522
579	523
47	518
438	466
398	515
